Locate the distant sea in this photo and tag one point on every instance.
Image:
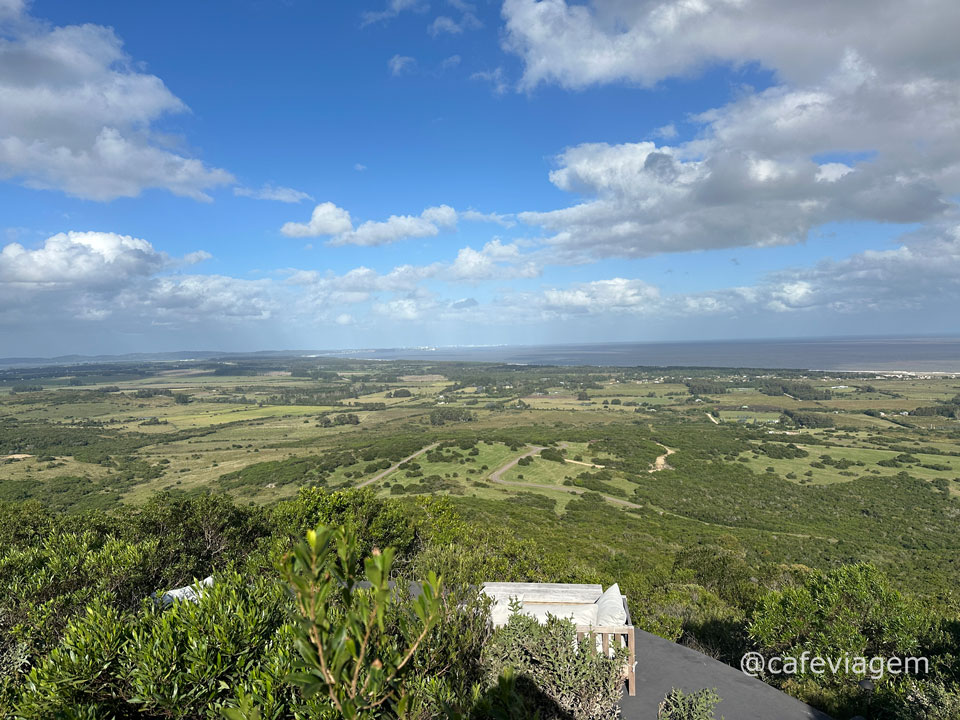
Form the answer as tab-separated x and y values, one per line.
881	354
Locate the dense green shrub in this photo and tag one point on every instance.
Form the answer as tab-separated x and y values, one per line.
182	662
563	678
851	611
599	482
707	387
798	390
44	586
915	699
197	535
378	523
443	415
698	705
552	454
780	451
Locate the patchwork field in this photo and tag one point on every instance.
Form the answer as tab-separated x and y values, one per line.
259	430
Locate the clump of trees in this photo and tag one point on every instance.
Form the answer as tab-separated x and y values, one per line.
340	419
444	415
145	393
781	451
707	387
795	389
948	409
25	388
803	418
552	454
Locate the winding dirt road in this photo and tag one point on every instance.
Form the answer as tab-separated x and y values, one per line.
497	474
661	462
497	477
393	467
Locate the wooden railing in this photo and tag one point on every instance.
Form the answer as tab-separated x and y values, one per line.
609	639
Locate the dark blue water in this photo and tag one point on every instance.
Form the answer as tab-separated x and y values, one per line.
882	354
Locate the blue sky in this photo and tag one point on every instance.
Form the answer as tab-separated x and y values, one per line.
520	171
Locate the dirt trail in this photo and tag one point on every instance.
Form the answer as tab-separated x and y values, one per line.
661	462
564	446
496	476
393	467
578	462
713	419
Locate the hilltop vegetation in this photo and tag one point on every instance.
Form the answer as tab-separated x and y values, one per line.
703	493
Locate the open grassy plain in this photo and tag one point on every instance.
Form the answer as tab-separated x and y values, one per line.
754	450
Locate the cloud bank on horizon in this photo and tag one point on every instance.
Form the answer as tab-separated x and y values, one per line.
827	163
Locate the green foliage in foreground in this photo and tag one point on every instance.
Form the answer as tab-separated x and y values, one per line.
80	633
181	662
561	677
249	649
344	655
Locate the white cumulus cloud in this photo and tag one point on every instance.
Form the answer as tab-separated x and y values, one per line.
326	219
77	113
602	296
878	97
494	261
79	260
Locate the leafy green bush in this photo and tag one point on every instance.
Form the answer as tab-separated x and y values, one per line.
851	611
808	419
446	672
441	416
44	586
556	675
915	699
347	655
183	662
698	705
598	482
197	535
779	451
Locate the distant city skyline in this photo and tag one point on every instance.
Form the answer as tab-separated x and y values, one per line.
252	175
